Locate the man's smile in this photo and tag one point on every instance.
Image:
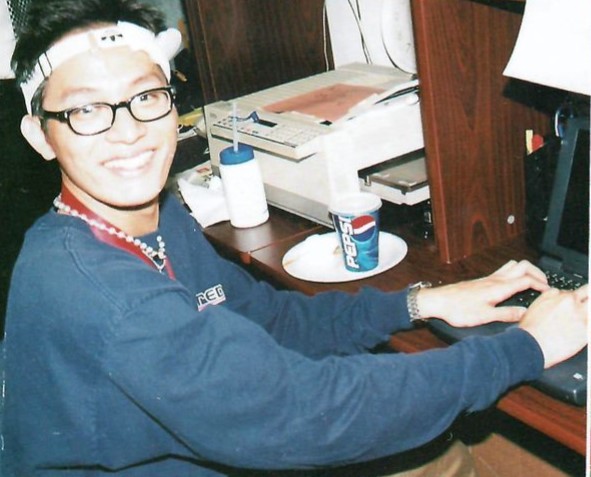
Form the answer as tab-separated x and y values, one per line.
130	164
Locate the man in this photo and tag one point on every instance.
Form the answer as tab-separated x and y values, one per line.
133	349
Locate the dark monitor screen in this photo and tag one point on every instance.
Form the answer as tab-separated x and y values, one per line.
574	226
567	231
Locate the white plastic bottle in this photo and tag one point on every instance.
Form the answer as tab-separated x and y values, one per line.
243	186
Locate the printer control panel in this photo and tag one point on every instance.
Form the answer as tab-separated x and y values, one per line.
292	140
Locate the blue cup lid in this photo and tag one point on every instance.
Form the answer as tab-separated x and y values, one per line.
230	157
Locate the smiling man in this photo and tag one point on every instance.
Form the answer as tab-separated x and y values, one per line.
133	349
127	146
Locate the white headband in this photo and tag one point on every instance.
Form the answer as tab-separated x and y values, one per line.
161	48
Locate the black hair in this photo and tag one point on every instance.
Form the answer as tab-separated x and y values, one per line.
49	20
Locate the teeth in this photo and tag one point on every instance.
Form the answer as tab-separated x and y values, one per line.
129	163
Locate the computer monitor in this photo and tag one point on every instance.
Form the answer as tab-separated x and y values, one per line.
566	237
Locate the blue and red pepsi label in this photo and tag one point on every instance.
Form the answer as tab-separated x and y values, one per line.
359	239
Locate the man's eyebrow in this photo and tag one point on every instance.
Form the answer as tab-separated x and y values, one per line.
152	75
81	91
72	94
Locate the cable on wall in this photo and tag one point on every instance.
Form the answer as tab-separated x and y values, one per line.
356	10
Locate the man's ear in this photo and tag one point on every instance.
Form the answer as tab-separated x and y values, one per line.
34	134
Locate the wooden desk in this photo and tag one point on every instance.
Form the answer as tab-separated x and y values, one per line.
262	248
239	244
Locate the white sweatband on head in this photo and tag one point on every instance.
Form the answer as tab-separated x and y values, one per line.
161	48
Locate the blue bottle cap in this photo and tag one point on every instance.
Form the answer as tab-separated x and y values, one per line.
230	157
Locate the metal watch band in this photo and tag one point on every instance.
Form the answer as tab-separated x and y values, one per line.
411	300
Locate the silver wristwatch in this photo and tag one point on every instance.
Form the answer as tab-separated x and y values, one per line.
411	300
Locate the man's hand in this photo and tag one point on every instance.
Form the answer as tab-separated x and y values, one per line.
473	302
558	322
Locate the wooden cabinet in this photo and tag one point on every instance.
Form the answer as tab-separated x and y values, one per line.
474	121
474	117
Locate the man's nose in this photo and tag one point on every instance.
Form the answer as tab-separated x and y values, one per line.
125	127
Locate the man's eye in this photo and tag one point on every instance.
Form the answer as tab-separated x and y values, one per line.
147	97
86	110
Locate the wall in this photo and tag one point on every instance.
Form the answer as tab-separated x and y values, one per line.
372	31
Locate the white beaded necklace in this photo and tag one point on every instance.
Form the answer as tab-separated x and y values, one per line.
157	257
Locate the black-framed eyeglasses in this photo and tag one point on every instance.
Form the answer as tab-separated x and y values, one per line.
96	118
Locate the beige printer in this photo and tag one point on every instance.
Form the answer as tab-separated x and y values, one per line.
313	136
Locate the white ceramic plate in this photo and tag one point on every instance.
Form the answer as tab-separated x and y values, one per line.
319	258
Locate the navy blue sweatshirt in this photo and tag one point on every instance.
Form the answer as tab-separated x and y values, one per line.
114	367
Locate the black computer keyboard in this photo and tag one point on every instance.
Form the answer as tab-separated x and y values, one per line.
566	381
560	280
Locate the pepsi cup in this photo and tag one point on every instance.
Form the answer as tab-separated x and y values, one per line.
356	219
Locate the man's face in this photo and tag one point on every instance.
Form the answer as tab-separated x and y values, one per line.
126	166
